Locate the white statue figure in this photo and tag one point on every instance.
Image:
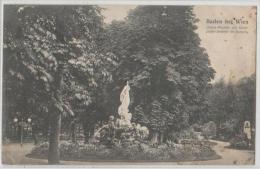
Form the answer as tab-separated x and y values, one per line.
124	120
125	117
247	129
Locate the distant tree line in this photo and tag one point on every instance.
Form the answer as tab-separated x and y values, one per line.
231	104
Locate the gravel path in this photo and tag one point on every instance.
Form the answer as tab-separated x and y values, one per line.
14	154
229	156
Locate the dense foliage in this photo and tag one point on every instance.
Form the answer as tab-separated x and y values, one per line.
168	71
52	62
230	104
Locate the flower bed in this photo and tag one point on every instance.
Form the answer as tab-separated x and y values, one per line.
129	152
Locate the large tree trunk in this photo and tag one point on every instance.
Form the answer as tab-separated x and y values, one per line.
218	129
73	134
46	130
161	137
86	131
155	136
55	125
55	119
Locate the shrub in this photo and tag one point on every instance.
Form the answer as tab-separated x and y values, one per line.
6	140
159	153
131	152
197	127
188	134
105	154
239	141
41	151
209	130
174	136
69	150
88	149
229	129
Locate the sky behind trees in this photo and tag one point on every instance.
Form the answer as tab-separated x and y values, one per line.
231	55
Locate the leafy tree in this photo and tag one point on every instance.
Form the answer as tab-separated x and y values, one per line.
218	102
160	54
52	59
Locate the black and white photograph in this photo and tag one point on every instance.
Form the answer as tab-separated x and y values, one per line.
128	84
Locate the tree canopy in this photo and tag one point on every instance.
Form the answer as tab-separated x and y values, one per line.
168	70
52	61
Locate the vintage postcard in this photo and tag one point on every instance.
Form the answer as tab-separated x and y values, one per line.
128	84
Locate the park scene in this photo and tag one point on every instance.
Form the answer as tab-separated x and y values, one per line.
125	84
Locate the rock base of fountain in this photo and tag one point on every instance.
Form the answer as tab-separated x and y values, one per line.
122	133
121	130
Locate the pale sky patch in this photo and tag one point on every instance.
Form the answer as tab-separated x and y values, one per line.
116	12
231	55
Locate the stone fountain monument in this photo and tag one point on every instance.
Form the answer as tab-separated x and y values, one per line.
122	128
123	111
